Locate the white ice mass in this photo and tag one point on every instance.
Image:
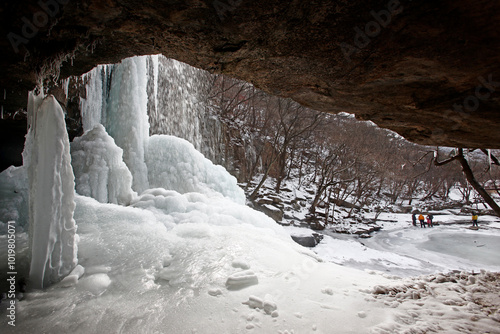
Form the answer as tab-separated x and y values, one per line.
185	255
173	163
99	169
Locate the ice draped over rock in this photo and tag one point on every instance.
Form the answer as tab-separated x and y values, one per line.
116	156
51	193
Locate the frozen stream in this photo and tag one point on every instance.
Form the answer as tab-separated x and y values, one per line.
477	247
403	250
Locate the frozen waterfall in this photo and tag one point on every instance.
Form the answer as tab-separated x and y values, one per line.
115	160
142	96
175	102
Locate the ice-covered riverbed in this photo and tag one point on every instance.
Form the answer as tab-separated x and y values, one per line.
403	250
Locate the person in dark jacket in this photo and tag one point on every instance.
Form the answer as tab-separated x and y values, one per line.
414	219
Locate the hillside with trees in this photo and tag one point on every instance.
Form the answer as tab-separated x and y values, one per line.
299	165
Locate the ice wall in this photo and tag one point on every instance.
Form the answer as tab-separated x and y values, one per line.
14	198
51	193
175	102
99	169
179	94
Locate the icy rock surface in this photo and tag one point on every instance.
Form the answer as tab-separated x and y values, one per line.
51	193
173	163
99	169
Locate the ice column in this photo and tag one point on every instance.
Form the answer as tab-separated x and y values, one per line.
127	118
51	193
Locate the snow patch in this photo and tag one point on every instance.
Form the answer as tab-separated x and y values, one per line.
241	280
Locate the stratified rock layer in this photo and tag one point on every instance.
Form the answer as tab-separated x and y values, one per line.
428	70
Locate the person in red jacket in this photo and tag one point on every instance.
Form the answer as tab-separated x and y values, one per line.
429	220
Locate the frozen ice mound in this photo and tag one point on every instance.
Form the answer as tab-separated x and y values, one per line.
99	169
173	163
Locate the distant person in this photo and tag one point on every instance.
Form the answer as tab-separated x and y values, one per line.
414	219
474	219
429	220
422	220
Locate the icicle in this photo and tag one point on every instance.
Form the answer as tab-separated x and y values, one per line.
5	94
489	157
2	111
65	84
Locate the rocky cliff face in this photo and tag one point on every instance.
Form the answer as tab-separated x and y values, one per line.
428	70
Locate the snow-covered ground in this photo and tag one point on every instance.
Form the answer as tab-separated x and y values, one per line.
204	264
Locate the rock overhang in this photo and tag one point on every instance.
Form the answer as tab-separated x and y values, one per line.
429	71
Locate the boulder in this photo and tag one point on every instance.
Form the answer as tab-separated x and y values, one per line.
270	210
309	240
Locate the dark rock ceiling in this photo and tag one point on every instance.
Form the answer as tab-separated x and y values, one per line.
429	70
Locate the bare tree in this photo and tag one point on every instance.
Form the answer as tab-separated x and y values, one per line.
460	157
